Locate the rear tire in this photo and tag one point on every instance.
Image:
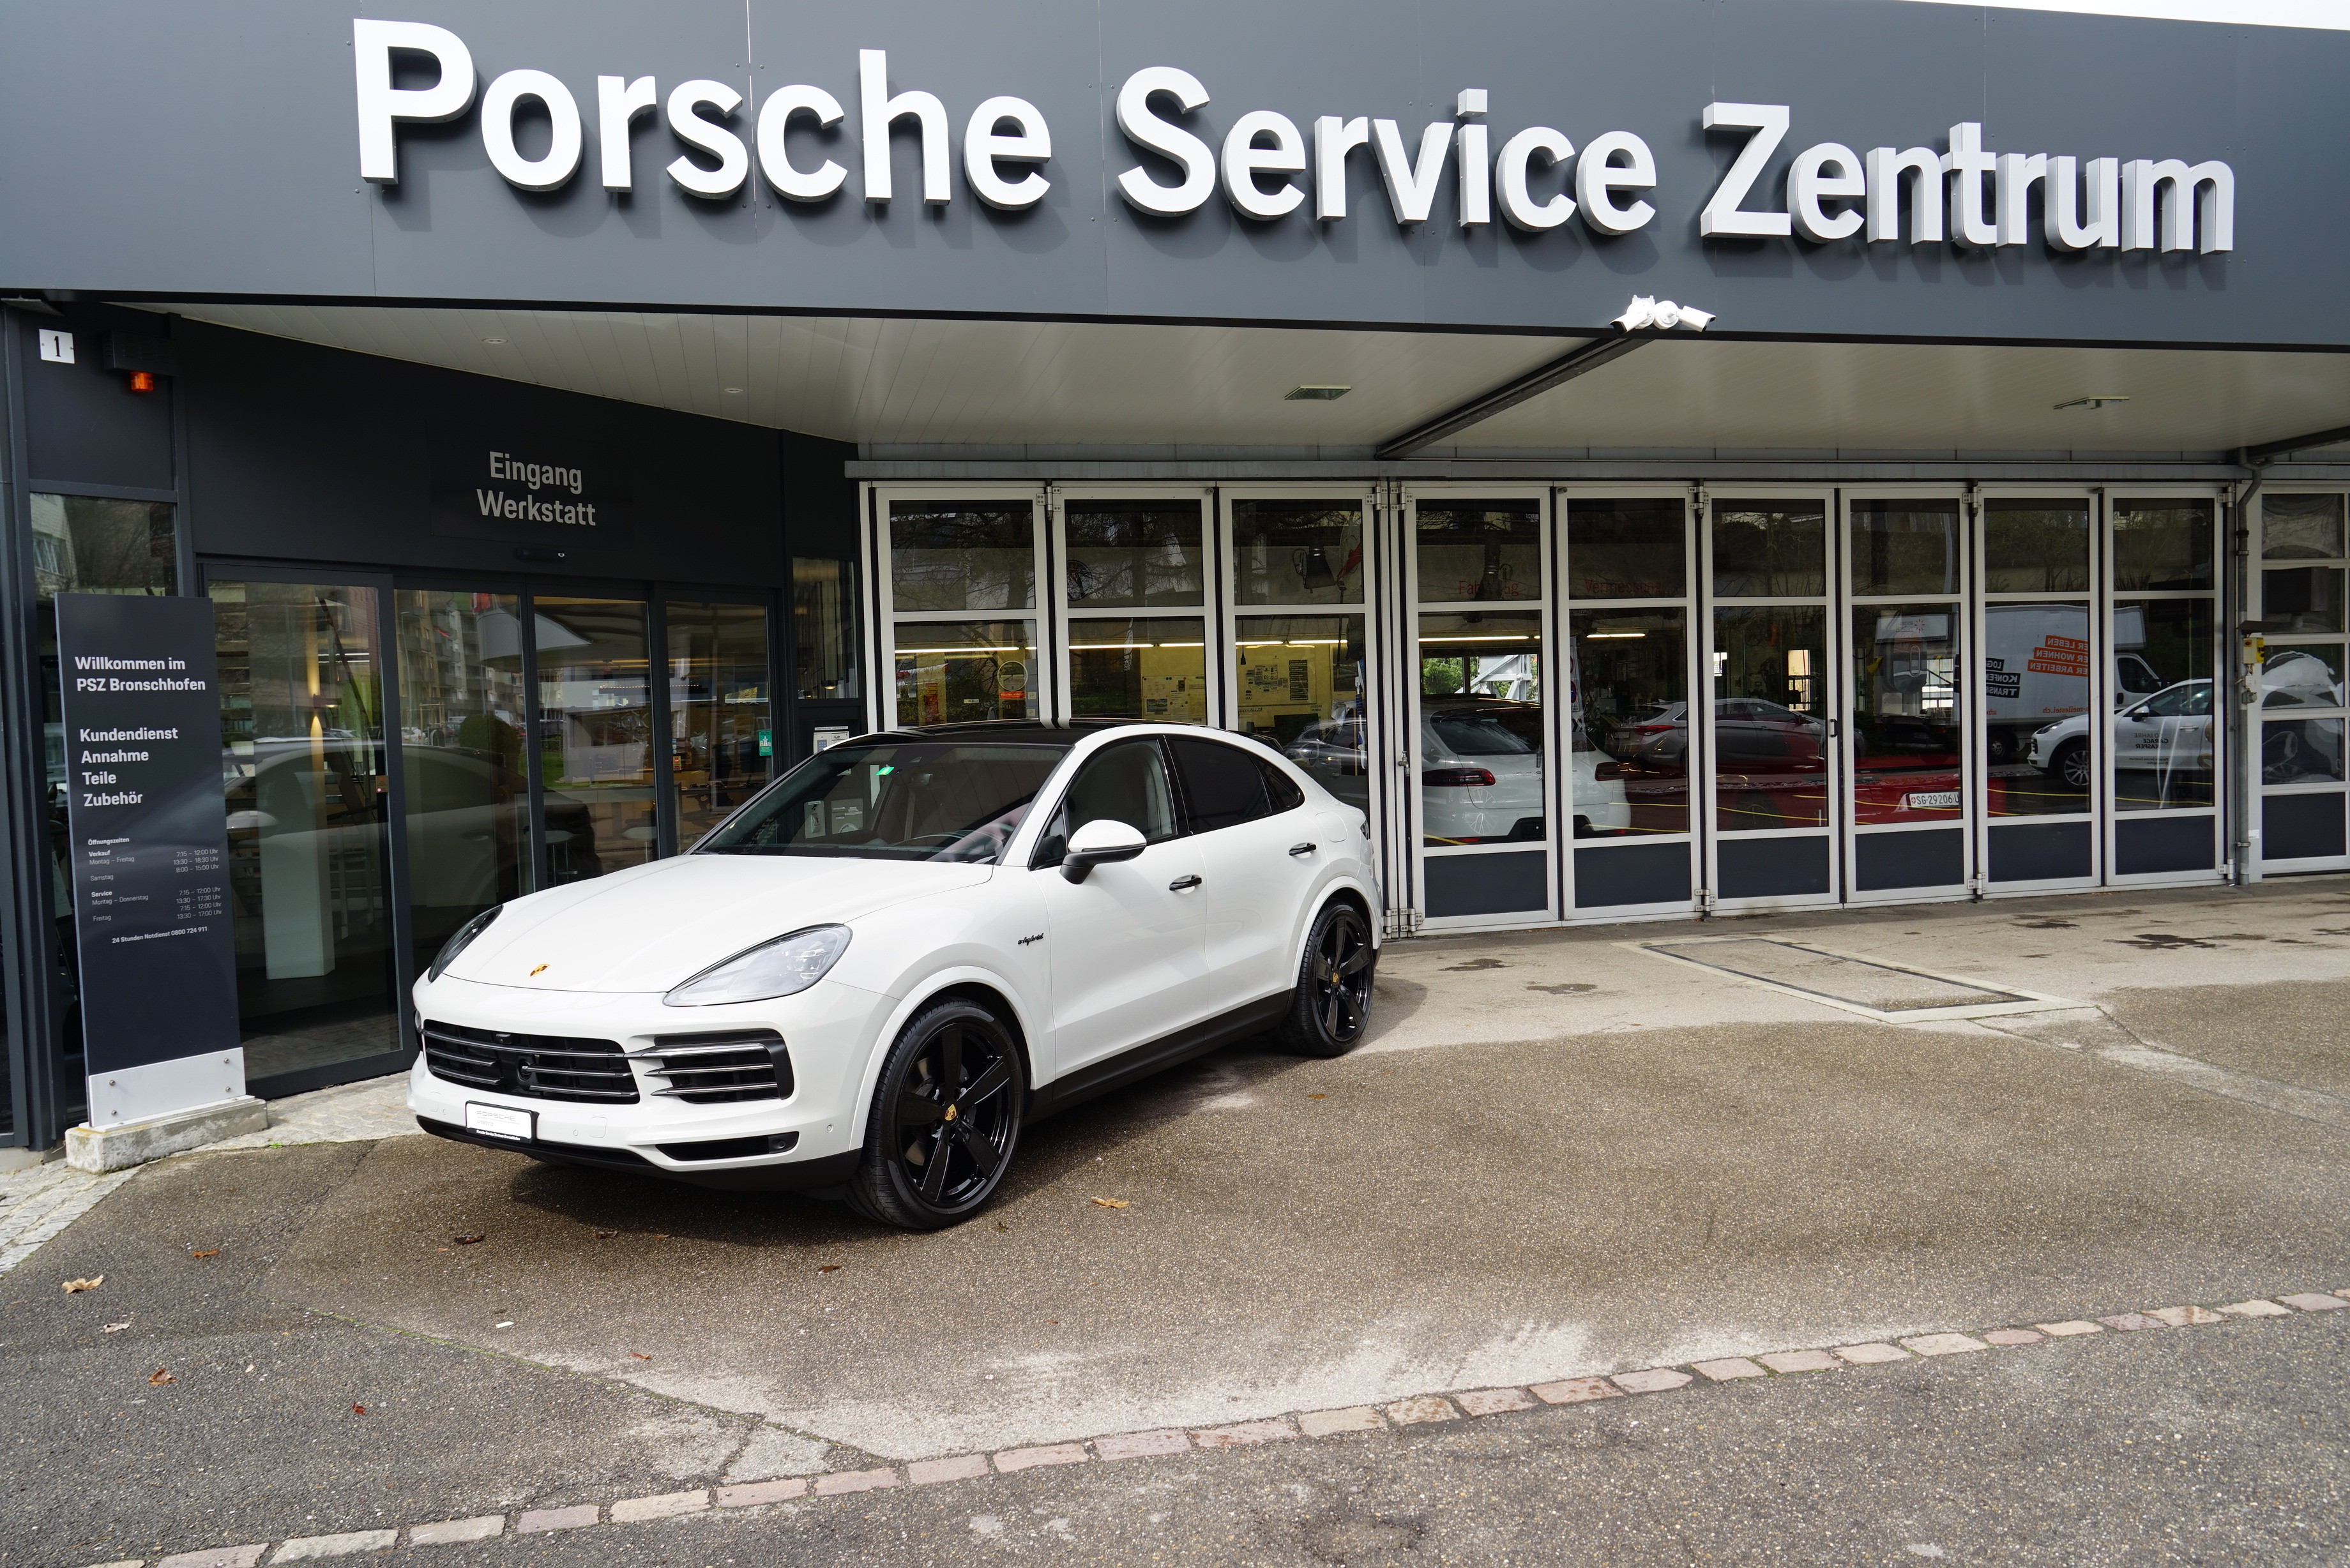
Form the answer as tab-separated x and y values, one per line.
945	1119
1332	1005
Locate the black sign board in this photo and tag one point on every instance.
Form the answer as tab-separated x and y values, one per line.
148	834
526	490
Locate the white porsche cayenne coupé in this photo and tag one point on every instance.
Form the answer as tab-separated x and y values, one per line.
865	981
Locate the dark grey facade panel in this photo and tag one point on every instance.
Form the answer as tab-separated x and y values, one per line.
308	453
83	424
257	192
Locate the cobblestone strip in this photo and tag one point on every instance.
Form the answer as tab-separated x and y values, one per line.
1420	1409
31	1212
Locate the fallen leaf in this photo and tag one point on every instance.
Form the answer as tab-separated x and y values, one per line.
468	1240
214	1254
1002	1226
89	1284
641	1356
1317	1096
606	1235
1111	1202
114	1328
359	1409
161	1377
828	1267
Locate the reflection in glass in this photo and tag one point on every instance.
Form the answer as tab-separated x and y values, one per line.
1627	549
1629	682
2035	547
2300	751
1142	554
2162	743
1479	551
82	546
2303	677
1770	717
1908	547
2162	545
962	555
1770	549
2301	527
1297	552
2035	700
309	845
1480	731
1301	689
824	629
953	670
1154	668
1905	714
721	718
896	800
2305	598
594	736
462	724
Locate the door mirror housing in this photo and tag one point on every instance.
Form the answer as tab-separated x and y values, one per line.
1098	842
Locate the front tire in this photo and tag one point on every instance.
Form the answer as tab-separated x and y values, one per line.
1332	1005
2071	764
945	1119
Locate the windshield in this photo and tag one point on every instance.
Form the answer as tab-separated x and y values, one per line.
905	800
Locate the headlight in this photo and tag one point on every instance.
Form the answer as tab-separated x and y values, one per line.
463	940
780	967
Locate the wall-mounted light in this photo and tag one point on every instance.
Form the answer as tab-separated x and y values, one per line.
1313	394
142	380
1662	316
2097	400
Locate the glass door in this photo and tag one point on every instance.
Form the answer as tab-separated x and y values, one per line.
1134	598
2303	563
2039	640
721	715
307	772
1297	673
594	740
1769	733
1630	563
959	605
1483	717
2161	622
1904	738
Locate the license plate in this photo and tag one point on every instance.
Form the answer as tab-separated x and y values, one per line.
1931	800
501	1121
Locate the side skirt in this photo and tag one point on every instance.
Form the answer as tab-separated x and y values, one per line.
1158	1055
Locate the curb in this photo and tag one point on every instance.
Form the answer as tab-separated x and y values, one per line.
1422	1409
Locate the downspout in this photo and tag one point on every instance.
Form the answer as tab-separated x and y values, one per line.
2243	797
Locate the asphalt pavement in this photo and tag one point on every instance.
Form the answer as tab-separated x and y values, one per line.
1563	1155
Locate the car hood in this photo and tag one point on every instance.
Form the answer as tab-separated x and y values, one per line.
651	927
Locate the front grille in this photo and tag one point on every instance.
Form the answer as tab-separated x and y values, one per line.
715	1069
542	1066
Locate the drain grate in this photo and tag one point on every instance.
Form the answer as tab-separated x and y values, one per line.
1861	984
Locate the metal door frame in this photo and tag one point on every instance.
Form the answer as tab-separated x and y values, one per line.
2222	720
1557	781
2253	782
1056	500
884	685
2099	736
1845	652
1692	606
1702	695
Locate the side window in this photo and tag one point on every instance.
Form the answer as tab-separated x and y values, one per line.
1281	789
1126	782
1222	784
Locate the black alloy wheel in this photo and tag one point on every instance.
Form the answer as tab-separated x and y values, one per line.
1333	1002
946	1119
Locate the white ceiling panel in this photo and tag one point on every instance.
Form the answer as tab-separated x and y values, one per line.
930	383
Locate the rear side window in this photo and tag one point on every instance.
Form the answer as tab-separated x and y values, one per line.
1127	782
1223	785
1281	788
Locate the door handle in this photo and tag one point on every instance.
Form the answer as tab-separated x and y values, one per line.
1301	849
1182	884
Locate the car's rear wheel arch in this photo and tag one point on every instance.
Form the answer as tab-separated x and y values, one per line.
997	1003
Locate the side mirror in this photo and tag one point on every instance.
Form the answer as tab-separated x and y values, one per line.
1098	842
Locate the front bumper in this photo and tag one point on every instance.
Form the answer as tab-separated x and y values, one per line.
806	1139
